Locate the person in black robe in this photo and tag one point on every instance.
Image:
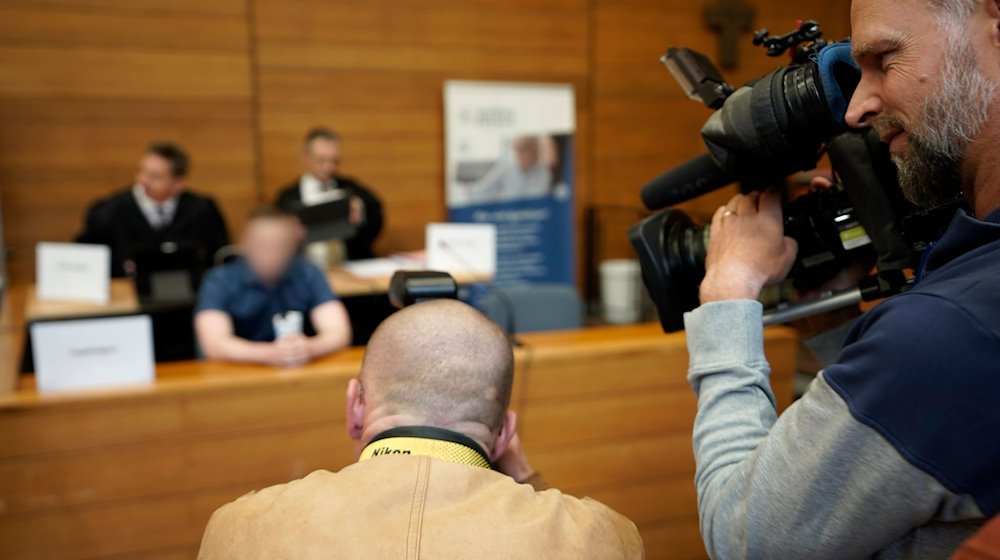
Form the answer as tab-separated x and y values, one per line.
157	213
321	158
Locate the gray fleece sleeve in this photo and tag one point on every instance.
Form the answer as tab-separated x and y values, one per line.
815	483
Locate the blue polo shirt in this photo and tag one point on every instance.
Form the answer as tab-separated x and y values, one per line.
235	290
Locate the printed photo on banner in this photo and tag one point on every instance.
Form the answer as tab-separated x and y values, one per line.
510	162
529	166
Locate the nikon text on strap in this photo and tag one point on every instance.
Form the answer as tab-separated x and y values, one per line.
432	442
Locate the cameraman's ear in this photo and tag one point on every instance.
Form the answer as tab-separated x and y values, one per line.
993	11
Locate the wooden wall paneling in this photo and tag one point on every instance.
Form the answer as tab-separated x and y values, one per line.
39	71
88	483
379	81
217	8
616	462
137	472
88	84
596	419
78	425
121	529
673	540
619	403
183	552
77	479
644	125
434	23
580	370
46	25
12	334
372	70
11	341
652	501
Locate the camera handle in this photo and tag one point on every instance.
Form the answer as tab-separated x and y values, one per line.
805	32
796	311
875	287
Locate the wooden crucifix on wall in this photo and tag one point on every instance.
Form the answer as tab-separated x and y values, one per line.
729	18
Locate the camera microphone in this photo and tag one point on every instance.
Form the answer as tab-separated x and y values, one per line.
689	180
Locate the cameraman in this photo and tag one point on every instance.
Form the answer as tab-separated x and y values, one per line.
895	449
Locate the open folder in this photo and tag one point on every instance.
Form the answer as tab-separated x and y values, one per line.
327	220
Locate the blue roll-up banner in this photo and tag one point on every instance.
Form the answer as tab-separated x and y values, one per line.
510	162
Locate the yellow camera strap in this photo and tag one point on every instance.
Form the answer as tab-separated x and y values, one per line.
430	442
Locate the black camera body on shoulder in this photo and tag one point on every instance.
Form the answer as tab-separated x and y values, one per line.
762	132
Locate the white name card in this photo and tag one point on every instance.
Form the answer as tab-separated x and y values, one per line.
93	353
468	248
73	272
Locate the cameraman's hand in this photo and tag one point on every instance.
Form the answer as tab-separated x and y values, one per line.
748	248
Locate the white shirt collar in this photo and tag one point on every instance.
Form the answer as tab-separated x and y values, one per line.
151	209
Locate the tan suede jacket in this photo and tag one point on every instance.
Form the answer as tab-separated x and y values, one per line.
410	507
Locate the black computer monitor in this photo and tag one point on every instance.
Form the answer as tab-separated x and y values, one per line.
168	273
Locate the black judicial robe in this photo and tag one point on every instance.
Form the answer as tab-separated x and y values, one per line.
360	246
118	222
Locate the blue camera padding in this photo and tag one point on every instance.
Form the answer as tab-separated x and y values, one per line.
840	76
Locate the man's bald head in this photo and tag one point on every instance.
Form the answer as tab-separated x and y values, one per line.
441	362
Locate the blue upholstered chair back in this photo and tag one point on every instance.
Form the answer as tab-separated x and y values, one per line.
540	307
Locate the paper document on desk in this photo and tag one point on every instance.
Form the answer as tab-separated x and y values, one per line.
462	248
73	272
321	197
382	268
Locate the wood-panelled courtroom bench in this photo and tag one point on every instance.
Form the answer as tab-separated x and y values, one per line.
135	473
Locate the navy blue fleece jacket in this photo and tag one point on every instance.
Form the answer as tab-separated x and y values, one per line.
894	452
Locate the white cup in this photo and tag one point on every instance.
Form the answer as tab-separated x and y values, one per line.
621	291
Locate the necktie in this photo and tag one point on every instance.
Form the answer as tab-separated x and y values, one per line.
161	212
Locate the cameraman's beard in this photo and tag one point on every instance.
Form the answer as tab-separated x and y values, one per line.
930	172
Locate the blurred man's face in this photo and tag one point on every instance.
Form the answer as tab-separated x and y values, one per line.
526	152
157	178
322	158
269	245
922	89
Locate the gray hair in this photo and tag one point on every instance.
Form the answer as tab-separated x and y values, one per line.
953	12
930	174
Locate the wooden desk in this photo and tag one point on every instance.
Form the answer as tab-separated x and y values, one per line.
604	412
21	306
346	284
123	299
12	324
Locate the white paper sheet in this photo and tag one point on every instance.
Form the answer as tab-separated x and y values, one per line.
462	248
93	353
381	268
73	272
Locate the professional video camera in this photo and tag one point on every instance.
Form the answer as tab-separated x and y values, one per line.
762	132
